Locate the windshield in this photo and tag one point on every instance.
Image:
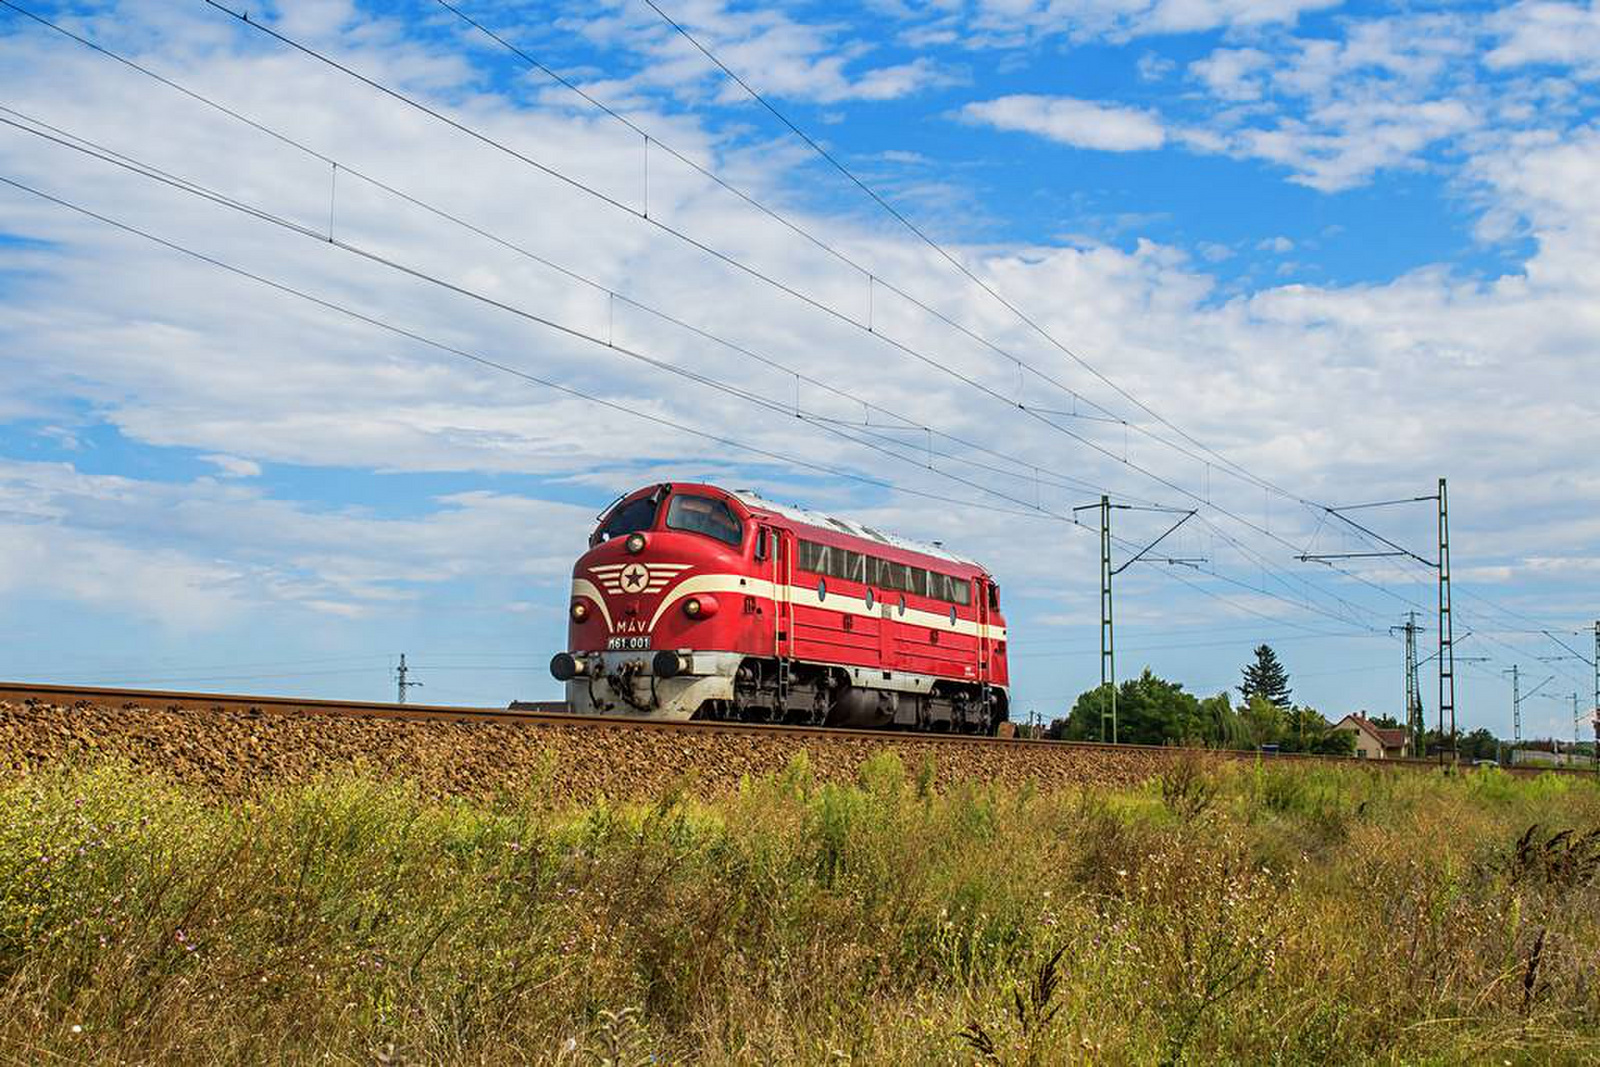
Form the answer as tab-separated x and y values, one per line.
703	515
634	515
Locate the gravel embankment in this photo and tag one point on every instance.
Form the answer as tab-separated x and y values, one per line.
233	753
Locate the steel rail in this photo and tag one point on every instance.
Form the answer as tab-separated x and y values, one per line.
550	714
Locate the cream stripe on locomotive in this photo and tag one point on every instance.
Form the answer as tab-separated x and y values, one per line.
637	577
738	584
585	588
806	596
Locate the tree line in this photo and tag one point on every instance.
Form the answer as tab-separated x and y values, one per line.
1154	711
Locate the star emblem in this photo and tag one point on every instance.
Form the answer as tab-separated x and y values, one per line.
635	576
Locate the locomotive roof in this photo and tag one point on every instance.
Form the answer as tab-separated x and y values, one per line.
752	499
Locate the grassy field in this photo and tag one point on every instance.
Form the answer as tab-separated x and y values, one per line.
1238	913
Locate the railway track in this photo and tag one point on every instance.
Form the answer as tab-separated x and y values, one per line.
553	714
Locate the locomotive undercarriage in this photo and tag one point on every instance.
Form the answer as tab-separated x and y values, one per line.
806	694
728	687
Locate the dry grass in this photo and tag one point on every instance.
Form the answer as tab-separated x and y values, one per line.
1231	914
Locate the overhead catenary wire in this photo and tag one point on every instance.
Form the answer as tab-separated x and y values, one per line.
875	278
953	260
1028	471
618	295
486	362
696	243
187	186
10	5
574	275
741	266
1022	316
711	175
431	112
86	147
259	26
374	321
1183	646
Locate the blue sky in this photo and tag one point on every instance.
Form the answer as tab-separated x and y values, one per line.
1348	247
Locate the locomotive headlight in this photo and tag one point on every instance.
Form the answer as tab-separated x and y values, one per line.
580	610
636	542
700	607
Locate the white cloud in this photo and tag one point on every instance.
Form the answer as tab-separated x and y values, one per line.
189	554
234	466
1232	73
1279	245
1080	123
1019	23
1537	32
1334	111
1153	66
780	56
1379	94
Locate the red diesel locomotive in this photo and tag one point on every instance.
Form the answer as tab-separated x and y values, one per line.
696	602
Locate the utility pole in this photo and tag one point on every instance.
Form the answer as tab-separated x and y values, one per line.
1414	720
1517	697
1594	665
1446	654
1447	647
400	674
1108	646
1516	710
1108	640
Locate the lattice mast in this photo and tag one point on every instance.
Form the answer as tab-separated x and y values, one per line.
1516	706
1415	724
1108	642
1447	648
400	680
1108	647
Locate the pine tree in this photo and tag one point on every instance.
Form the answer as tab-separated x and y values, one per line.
1266	678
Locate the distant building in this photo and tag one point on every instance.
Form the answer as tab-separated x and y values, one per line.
1373	741
1548	754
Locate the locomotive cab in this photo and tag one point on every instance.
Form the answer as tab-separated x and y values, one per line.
662	605
696	602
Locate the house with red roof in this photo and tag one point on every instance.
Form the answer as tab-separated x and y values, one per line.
1374	741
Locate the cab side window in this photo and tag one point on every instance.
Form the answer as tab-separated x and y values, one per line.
630	518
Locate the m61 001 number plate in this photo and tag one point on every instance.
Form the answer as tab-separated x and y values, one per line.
628	644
